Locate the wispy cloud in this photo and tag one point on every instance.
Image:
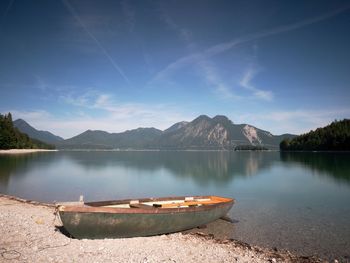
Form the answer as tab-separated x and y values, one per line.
225	46
95	100
162	116
294	121
109	114
246	82
222	47
184	34
211	76
204	68
33	115
96	41
127	117
40	83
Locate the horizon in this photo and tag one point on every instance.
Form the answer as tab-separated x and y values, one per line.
70	66
19	119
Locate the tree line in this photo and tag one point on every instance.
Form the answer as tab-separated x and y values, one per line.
334	137
12	138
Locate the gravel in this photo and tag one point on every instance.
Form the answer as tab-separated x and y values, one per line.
20	151
30	232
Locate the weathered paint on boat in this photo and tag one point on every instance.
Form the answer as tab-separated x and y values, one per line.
94	220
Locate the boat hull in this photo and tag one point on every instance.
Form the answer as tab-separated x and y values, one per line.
95	225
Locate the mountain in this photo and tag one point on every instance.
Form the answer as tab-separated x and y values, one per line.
176	126
136	139
203	133
33	133
217	133
12	138
333	137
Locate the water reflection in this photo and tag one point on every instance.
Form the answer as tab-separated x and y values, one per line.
201	167
11	163
283	199
332	165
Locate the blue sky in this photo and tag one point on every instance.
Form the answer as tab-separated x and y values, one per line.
68	66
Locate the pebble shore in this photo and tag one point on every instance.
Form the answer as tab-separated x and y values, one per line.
21	151
30	232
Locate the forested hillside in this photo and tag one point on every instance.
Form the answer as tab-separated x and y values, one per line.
334	137
12	138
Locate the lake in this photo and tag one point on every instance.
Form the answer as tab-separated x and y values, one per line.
296	201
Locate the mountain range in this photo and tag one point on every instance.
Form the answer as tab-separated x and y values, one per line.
203	133
33	133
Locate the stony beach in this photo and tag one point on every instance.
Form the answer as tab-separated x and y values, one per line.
30	232
22	151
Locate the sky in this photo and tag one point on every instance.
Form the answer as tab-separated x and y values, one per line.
72	65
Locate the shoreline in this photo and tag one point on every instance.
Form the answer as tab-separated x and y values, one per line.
23	151
29	231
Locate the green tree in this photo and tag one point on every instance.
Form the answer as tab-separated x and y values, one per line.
12	138
334	137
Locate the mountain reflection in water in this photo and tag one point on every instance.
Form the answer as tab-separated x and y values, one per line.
297	201
202	167
330	164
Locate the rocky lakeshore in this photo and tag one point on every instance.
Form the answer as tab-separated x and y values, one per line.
30	232
22	151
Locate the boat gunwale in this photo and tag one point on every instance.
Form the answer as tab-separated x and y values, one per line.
99	207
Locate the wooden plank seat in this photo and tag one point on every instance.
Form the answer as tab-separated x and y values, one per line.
141	206
188	202
191	203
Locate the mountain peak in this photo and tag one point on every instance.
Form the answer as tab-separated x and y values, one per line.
222	118
176	126
21	121
203	132
33	133
95	132
202	118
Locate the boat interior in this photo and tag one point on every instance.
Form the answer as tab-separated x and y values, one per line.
171	203
152	203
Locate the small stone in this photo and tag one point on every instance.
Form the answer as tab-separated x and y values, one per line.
39	221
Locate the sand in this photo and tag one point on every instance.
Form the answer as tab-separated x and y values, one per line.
30	232
21	151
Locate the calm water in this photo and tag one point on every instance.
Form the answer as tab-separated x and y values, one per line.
297	201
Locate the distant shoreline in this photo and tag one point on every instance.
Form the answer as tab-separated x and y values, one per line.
160	150
22	151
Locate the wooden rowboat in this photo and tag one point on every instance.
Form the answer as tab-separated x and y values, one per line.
142	217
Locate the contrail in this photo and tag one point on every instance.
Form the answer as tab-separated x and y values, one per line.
104	51
281	29
222	47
